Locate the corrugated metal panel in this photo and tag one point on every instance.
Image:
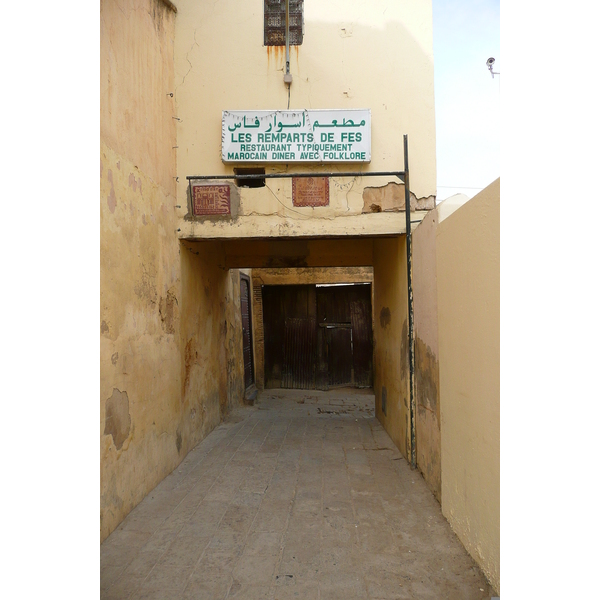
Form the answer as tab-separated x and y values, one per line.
275	22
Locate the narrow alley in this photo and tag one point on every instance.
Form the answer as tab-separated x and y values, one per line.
302	495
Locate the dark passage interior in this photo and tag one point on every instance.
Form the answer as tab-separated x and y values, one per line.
318	337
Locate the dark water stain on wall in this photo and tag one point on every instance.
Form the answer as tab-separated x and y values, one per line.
426	376
428	424
191	358
117	420
385	317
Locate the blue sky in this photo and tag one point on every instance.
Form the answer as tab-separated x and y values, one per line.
467	99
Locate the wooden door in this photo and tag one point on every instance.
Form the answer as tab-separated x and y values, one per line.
317	337
246	330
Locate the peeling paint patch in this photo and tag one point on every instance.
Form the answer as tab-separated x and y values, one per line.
114	358
103	327
385	317
112	198
146	288
117	420
132	182
390	197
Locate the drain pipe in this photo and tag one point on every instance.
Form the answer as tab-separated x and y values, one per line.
411	349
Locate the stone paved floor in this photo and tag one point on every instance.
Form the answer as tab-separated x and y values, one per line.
302	496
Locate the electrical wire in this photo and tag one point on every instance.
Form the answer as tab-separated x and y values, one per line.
285	206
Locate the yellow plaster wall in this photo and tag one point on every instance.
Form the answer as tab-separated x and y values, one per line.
139	262
377	55
212	367
136	80
390	336
427	395
154	297
468	278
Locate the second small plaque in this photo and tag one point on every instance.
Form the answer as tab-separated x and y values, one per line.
310	191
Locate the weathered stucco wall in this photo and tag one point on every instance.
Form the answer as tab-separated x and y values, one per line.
136	80
168	319
390	337
287	276
468	276
139	264
427	396
212	366
222	64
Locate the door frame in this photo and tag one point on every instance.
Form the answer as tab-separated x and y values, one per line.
246	278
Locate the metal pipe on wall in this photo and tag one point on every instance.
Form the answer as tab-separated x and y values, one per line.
287	76
411	350
287	36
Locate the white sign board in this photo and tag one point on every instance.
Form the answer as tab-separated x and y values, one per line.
287	136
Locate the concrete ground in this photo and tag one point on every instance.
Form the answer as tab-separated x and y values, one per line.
301	496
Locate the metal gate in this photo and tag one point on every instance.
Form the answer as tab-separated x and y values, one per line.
318	337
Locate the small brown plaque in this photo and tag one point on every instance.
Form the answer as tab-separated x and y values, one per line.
310	191
211	200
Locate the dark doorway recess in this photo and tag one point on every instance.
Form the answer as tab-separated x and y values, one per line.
318	337
246	330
